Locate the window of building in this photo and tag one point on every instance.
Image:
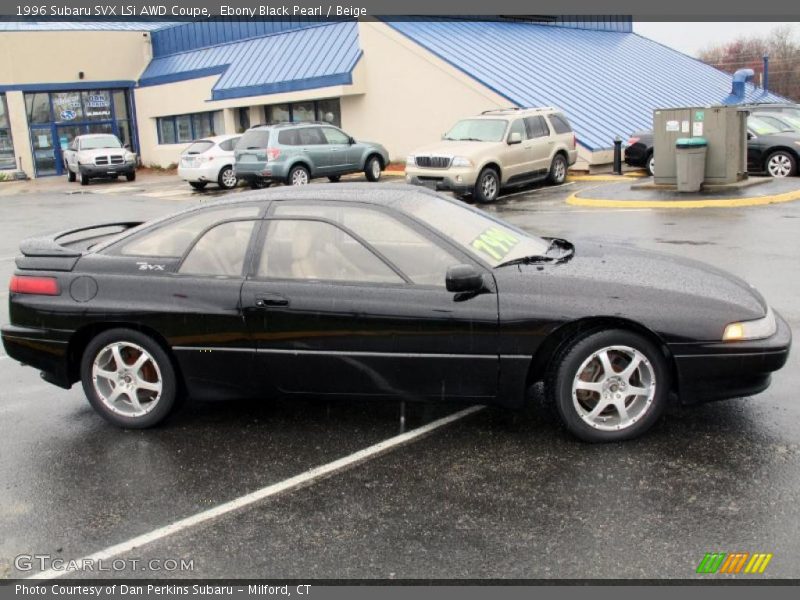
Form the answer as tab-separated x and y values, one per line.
7	159
314	250
180	129
173	239
96	105
221	251
67	106
38	107
422	260
317	110
243	118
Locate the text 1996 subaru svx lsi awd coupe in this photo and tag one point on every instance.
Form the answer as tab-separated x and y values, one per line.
382	291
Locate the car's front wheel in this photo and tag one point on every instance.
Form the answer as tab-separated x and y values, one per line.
227	178
258	184
558	170
651	165
372	170
83	178
128	378
334	178
131	176
299	175
610	385
487	187
70	174
198	185
781	164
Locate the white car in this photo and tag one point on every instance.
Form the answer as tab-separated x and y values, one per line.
98	155
209	160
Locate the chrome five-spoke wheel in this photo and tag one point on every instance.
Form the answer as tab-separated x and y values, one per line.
127	379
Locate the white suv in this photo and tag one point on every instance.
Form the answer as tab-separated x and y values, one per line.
497	149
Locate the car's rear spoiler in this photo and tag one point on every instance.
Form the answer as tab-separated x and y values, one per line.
60	251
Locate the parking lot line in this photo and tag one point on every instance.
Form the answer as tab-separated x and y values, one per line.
265	492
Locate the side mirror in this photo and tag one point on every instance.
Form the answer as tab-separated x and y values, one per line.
126	146
463	278
750	136
351	140
515	138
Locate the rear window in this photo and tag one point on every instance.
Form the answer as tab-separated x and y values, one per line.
255	138
199	147
560	123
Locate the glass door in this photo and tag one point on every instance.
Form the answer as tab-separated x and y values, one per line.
44	151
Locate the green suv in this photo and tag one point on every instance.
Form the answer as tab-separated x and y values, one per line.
295	153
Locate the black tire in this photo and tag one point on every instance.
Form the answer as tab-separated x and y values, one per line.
299	175
227	178
131	176
565	369
84	179
786	164
198	185
649	165
558	170
169	384
373	168
334	178
487	186
70	174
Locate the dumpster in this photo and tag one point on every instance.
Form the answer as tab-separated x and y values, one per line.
690	163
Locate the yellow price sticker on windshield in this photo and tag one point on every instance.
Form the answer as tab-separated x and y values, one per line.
495	242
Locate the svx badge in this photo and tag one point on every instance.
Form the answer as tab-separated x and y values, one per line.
146	266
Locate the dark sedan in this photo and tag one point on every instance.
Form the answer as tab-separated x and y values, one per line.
381	291
639	151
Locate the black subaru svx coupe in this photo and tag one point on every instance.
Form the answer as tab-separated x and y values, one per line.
361	290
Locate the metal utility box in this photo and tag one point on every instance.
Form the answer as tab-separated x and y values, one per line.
723	127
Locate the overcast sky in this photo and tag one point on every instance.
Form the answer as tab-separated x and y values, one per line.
693	37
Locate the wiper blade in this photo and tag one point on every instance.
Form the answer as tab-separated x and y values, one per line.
534	259
567	251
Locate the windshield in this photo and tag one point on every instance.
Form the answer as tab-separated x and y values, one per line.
480	235
252	139
761	127
199	147
478	130
101	141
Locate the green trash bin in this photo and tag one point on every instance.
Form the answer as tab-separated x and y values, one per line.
690	156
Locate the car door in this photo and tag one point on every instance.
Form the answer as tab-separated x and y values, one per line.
517	157
340	157
330	314
540	144
315	149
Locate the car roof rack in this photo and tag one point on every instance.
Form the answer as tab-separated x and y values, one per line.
513	109
283	124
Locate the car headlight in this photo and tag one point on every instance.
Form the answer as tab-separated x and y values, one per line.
460	161
411	160
751	330
130	158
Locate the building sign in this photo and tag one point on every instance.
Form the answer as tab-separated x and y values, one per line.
97	105
67	106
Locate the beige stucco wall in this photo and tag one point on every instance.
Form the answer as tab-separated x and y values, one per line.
20	134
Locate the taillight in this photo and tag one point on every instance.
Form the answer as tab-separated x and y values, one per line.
273	153
42	286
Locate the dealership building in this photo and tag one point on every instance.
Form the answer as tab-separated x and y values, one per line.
401	83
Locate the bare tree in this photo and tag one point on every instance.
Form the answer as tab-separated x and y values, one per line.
748	52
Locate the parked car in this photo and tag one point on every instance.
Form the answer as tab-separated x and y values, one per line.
480	156
296	153
98	155
391	291
782	121
771	148
639	151
209	160
785	108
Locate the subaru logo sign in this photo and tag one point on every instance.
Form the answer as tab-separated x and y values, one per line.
67	115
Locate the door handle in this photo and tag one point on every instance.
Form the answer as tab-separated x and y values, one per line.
266	300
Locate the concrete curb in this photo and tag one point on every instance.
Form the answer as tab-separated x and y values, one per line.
574	200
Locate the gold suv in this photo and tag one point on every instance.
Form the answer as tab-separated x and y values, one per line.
498	149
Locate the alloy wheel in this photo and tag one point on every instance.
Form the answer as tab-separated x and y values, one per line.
489	186
228	178
127	379
299	177
614	388
779	165
376	169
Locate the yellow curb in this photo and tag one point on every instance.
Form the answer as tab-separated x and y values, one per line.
715	203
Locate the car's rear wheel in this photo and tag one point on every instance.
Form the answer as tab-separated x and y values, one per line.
198	185
651	165
487	187
372	170
258	184
334	178
70	174
83	178
130	176
299	175
558	170
128	378
227	178
781	164
609	386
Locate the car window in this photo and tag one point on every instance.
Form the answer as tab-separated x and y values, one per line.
559	123
422	260
761	127
173	238
288	137
253	139
537	127
518	126
199	147
478	130
99	142
311	136
334	136
314	250
220	251
228	145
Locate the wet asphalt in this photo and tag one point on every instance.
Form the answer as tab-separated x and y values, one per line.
498	494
